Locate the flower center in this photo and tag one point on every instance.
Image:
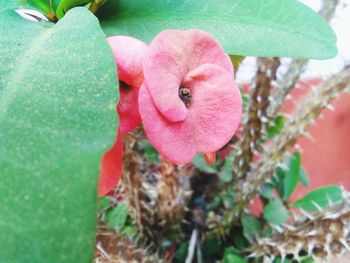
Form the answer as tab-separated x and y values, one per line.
185	95
123	85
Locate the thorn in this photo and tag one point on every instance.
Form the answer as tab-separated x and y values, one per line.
252	255
318	207
306	214
330	107
310	247
345	244
264	119
277	228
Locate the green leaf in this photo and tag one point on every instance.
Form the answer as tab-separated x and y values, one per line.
39	5
181	252
251	227
275	212
275	127
58	91
236	61
232	258
228	198
244	27
148	151
320	196
278	180
211	246
200	163
279	260
304	178
226	173
66	5
292	174
266	191
116	218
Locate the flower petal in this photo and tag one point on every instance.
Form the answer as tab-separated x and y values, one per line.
128	53
171	55
111	167
216	107
173	140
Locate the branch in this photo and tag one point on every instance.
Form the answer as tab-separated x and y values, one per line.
257	115
322	234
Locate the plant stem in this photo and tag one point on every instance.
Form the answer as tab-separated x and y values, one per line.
96	4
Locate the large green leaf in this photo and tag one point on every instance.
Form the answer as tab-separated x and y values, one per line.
58	91
244	27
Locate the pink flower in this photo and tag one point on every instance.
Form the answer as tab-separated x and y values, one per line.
128	54
189	102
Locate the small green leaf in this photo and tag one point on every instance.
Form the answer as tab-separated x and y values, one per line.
251	227
275	212
320	196
278	180
181	252
66	5
266	191
279	260
129	230
230	256
304	178
226	173
116	218
200	163
275	127
39	5
308	260
212	246
267	28
236	60
292	174
228	198
148	151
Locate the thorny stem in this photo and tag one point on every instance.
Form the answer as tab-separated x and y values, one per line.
96	4
315	102
257	115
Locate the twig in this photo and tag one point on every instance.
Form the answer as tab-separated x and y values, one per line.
96	4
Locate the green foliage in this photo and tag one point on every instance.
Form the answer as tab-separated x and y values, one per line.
181	252
58	91
39	5
251	227
148	151
275	127
232	258
66	5
236	60
304	178
320	197
287	176
265	28
200	163
116	217
292	175
226	172
275	212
